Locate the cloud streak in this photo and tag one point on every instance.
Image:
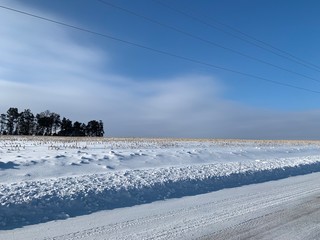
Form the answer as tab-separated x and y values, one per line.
44	67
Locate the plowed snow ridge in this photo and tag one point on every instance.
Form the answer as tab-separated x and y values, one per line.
42	199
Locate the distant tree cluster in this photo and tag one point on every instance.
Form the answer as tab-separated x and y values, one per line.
46	124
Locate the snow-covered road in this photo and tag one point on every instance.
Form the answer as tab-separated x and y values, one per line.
283	209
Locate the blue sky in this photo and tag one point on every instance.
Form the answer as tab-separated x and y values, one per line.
137	92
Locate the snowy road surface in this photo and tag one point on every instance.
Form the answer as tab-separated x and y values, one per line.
283	209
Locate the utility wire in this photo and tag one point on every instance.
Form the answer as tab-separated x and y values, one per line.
294	58
158	51
283	54
205	40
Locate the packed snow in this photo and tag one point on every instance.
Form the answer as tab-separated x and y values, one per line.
45	179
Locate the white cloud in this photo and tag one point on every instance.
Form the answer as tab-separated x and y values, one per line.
43	67
37	51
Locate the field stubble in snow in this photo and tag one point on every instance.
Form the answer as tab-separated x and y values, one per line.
44	179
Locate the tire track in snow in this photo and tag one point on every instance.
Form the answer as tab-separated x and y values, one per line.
180	231
171	225
262	227
132	223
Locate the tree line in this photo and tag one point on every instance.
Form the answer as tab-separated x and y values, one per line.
46	123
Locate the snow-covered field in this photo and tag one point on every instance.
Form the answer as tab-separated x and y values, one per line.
44	179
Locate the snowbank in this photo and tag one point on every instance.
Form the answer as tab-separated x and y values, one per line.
35	201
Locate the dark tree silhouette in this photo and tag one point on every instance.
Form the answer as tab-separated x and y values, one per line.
66	127
3	123
46	123
100	129
78	129
12	119
26	123
56	122
95	128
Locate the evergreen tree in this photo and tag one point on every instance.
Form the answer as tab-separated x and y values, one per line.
95	128
12	119
46	123
26	122
78	129
100	129
84	129
56	122
66	127
3	123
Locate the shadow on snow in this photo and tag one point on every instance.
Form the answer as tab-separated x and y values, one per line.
52	207
8	165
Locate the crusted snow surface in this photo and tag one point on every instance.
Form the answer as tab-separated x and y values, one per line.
50	178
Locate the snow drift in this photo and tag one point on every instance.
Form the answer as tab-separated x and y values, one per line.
44	179
31	202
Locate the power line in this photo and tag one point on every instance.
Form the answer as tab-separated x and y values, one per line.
284	54
205	40
296	59
158	51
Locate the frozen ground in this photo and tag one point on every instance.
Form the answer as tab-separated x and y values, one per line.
52	178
